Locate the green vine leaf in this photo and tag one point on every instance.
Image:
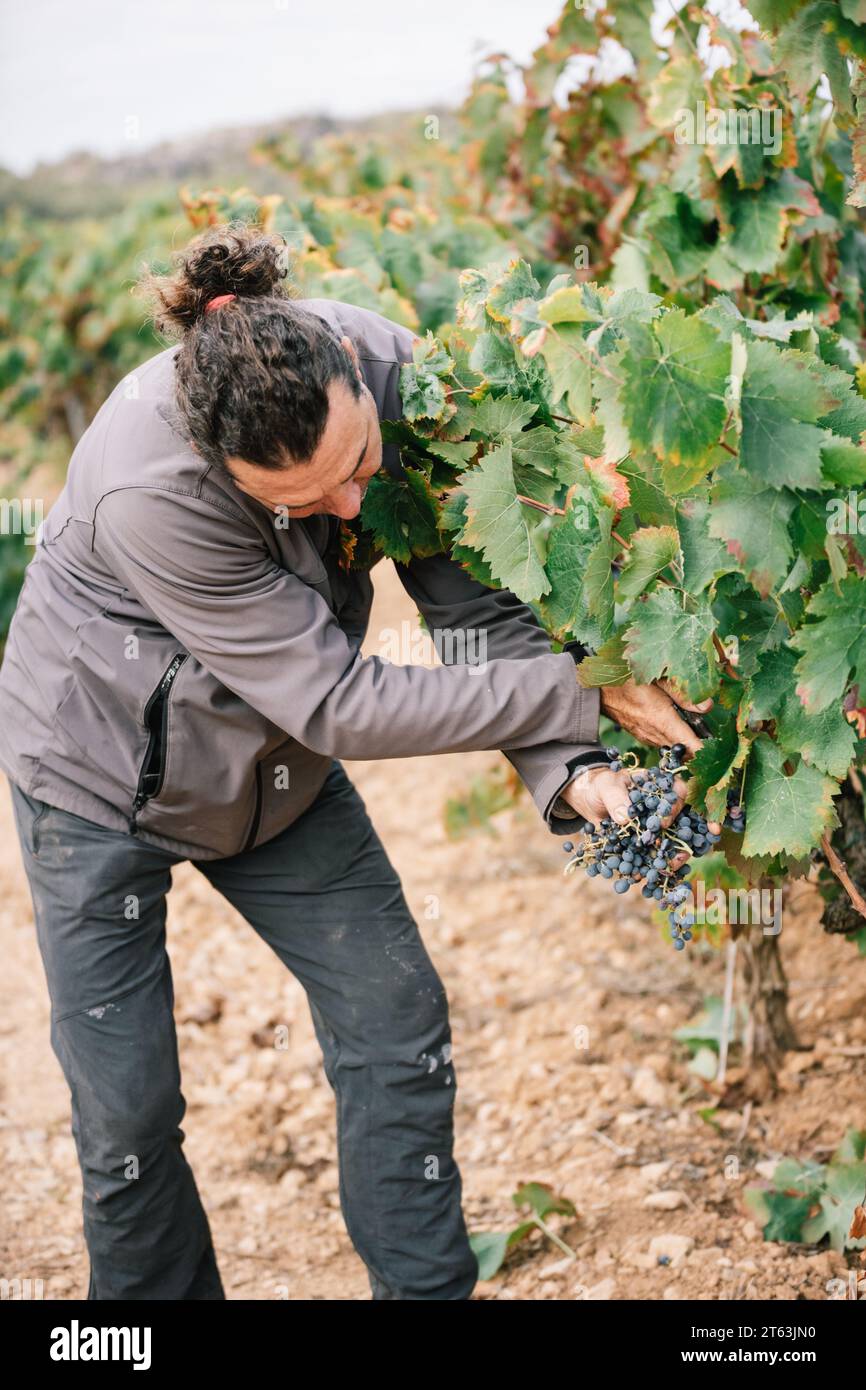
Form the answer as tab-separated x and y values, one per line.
781	401
652	550
402	515
666	639
825	740
833	646
784	813
496	524
673	396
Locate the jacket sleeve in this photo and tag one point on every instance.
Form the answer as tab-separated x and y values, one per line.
205	575
495	625
452	602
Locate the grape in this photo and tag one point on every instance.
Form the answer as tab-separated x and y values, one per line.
641	852
735	818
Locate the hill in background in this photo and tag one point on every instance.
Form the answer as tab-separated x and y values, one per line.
84	184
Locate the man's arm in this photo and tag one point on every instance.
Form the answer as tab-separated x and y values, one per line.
469	620
206	577
448	597
451	600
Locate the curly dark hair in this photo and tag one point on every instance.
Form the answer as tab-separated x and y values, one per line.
252	374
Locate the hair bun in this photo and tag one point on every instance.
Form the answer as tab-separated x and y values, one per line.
234	259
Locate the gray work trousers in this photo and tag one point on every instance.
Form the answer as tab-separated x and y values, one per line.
324	895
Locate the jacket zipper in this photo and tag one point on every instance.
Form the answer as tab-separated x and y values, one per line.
160	693
257	813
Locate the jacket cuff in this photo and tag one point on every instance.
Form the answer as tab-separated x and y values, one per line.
588	715
545	771
562	819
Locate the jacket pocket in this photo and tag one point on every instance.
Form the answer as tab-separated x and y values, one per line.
29	813
152	774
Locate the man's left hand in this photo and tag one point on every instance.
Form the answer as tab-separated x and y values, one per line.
649	712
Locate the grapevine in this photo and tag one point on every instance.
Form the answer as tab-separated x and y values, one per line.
636	398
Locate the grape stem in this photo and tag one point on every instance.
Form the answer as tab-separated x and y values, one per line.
675	840
541	506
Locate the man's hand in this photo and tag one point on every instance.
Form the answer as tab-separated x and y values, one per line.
597	793
649	712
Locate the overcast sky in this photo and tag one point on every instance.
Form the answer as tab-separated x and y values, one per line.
95	74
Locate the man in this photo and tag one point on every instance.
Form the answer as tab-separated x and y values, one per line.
182	677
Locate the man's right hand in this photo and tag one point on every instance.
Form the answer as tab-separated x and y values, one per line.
597	793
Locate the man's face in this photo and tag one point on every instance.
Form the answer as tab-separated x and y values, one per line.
334	479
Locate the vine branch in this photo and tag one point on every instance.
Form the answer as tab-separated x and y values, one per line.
837	867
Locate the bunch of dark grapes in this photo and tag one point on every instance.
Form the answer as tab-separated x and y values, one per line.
641	851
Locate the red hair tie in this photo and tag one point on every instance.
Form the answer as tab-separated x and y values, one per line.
217	301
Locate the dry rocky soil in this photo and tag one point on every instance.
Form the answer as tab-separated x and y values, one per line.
528	957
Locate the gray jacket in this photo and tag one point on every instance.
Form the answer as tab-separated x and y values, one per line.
183	666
